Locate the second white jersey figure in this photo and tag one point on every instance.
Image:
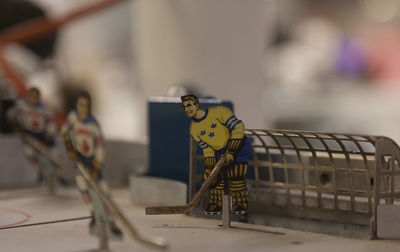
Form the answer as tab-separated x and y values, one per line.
35	119
84	143
86	138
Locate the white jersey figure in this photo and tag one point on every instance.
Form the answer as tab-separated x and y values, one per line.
31	116
84	143
86	140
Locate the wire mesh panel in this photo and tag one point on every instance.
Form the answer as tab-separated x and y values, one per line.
324	171
329	176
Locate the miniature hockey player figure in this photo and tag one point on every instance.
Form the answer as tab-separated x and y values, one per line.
220	134
84	143
31	116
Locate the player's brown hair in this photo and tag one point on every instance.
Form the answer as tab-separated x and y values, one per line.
190	97
34	89
85	95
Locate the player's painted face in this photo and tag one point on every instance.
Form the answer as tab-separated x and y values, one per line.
190	108
82	106
33	97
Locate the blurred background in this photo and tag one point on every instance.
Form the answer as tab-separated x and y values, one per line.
325	65
328	65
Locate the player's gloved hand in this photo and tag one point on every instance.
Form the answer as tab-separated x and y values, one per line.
16	127
209	164
72	155
94	170
94	174
70	148
228	158
206	173
47	139
96	165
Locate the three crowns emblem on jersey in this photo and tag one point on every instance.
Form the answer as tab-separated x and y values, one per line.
211	134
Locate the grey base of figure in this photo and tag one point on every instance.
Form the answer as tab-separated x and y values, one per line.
102	220
47	173
218	211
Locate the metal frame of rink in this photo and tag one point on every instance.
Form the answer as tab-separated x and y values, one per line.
318	175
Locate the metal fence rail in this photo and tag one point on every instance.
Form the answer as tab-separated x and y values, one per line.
313	174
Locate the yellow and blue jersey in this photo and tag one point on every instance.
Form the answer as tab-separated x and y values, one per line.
213	131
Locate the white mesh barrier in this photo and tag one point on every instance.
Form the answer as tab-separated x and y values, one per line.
317	175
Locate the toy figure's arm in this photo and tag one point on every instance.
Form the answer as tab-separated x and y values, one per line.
12	117
208	155
65	133
51	127
99	150
209	161
98	159
235	125
99	153
236	128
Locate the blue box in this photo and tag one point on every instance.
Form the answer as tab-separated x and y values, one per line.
170	137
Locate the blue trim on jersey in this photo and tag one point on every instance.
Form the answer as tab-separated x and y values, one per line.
87	162
234	126
203	147
40	137
38	105
201	119
202	144
89	118
232	122
229	119
243	155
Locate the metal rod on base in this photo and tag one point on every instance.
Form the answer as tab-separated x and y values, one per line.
102	235
51	184
226	211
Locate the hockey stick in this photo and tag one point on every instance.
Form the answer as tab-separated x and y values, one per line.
191	205
52	156
157	242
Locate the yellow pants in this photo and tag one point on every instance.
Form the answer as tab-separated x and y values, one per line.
234	175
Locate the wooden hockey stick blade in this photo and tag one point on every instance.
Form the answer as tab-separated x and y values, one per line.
156	242
190	206
168	209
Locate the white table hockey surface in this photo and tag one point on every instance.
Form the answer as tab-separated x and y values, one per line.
184	233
